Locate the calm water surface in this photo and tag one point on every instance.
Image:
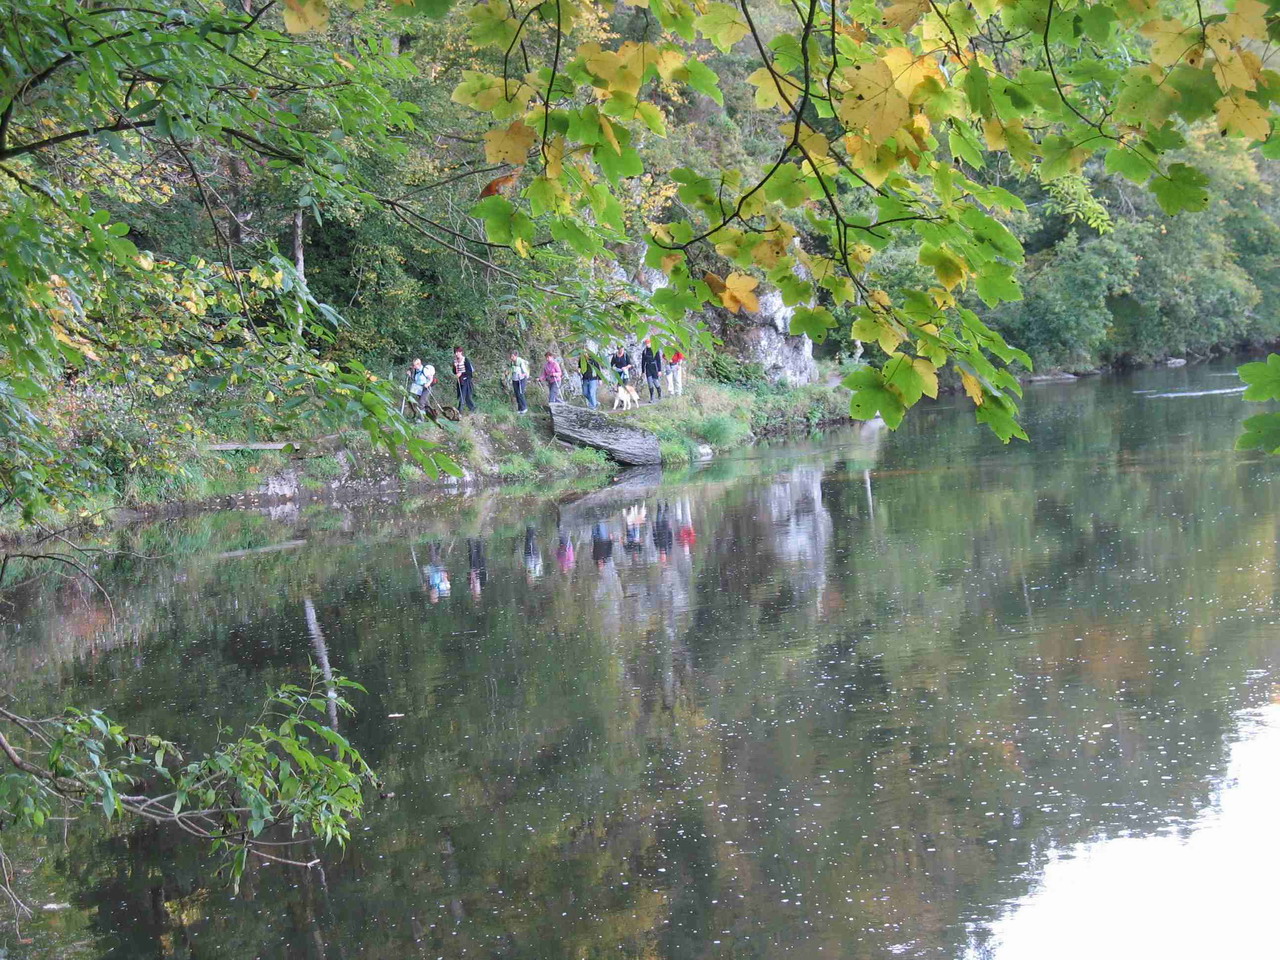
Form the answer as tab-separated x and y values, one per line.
875	695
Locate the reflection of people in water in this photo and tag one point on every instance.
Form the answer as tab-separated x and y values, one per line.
601	545
532	555
564	552
685	534
437	576
478	574
633	519
663	538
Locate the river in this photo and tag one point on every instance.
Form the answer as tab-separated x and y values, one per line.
870	695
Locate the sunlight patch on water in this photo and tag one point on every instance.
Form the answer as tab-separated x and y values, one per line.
1212	894
1193	393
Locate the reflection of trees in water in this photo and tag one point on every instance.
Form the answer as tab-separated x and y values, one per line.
809	726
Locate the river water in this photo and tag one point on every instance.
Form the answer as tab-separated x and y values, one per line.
870	695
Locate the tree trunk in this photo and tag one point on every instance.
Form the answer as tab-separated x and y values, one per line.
299	257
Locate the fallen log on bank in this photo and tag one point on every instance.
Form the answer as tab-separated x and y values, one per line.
628	445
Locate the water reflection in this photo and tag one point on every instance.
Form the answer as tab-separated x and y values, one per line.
1206	890
853	698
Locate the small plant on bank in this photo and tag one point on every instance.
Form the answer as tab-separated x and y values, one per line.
515	467
587	458
322	468
409	473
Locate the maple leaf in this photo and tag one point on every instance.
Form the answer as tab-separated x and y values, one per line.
1171	40
972	386
305	16
873	103
1248	19
739	293
1239	115
904	14
509	144
910	69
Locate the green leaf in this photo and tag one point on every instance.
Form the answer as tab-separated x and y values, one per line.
1183	188
787	186
1261	432
618	166
813	322
723	25
1001	415
1129	164
871	396
1263	379
698	76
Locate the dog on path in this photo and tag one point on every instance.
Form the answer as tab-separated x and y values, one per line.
626	397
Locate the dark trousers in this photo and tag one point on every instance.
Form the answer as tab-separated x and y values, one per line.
517	387
464	394
654	384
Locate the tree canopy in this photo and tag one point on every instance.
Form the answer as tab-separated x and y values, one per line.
881	121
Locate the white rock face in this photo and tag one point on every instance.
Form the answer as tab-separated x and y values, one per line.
762	337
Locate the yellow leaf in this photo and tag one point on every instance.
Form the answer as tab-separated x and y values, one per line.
928	374
769	92
305	16
814	143
739	295
1229	68
670	260
607	129
553	155
510	144
1239	115
873	103
909	69
905	13
874	163
667	61
1248	19
993	131
880	298
1171	40
972	387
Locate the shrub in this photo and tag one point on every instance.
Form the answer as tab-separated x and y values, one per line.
722	430
549	458
515	467
325	468
587	458
727	369
675	453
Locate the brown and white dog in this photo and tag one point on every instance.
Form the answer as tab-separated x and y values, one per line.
626	397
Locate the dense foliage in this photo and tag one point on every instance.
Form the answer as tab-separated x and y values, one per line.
185	189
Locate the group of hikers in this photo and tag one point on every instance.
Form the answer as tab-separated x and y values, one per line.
653	367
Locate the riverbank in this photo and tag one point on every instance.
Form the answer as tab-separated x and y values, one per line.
492	445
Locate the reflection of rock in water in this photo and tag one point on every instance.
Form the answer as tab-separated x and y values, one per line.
800	526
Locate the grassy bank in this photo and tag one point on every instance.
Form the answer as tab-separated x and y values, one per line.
494	444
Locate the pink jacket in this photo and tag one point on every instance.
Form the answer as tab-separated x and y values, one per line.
551	371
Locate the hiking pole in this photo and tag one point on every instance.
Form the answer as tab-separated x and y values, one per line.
405	396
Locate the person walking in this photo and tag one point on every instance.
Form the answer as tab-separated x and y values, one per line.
675	374
465	374
519	378
621	363
589	368
419	380
651	364
552	374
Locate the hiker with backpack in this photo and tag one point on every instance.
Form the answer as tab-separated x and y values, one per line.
465	374
519	378
651	364
589	369
552	374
